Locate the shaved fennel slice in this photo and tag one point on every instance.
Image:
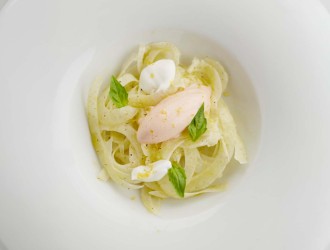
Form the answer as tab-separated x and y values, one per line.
192	161
122	170
127	64
113	117
127	78
167	187
152	186
97	140
151	203
221	71
231	138
140	57
177	155
240	151
139	99
103	175
211	189
156	51
168	147
129	132
208	75
159	194
210	173
151	56
155	190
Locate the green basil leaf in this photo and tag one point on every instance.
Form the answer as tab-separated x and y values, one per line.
198	125
118	93
177	177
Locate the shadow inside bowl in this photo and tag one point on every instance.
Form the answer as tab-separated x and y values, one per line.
106	60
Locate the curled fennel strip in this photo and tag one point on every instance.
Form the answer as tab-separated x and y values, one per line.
113	130
102	148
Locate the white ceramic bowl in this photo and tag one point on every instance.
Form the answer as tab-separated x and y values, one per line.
278	57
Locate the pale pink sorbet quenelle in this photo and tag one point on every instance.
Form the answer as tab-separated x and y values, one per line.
173	114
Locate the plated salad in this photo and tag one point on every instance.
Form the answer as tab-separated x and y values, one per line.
163	127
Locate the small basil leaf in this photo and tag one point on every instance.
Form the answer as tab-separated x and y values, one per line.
198	125
118	93
177	177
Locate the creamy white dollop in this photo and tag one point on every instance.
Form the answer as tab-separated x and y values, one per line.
157	76
154	172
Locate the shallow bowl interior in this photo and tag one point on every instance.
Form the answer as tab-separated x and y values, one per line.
277	54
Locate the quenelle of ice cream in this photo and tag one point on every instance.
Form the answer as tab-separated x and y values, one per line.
173	114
